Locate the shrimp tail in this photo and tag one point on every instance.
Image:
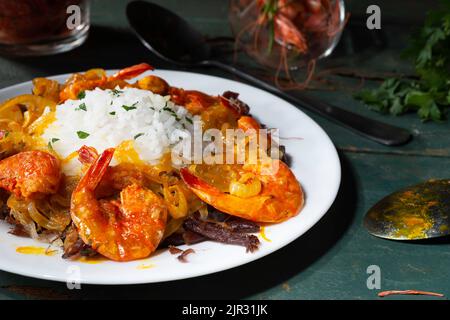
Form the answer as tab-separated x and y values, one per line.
97	170
123	229
195	182
131	72
87	155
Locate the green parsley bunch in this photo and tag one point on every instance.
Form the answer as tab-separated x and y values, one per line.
429	95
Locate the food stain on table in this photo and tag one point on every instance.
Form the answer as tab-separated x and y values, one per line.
413	219
40	251
262	233
286	287
145	266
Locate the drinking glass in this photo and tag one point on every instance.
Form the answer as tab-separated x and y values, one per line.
42	27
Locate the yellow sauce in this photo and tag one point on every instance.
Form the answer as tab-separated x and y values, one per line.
40	251
145	266
34	140
125	153
92	260
38	127
262	233
70	157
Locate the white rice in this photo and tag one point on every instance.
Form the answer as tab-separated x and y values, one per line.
154	123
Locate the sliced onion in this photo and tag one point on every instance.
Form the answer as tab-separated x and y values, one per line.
203	210
176	201
40	219
19	211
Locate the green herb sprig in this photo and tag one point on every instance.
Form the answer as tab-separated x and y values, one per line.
82	134
132	107
269	9
81	107
172	113
81	95
138	135
116	92
429	94
51	142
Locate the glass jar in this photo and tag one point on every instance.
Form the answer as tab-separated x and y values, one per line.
287	33
42	27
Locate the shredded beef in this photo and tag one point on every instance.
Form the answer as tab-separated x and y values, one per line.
233	223
4	211
16	228
218	226
185	237
174	250
242	226
218	232
191	237
74	246
231	99
19	230
184	254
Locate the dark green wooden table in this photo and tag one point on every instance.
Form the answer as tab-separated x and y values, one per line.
330	260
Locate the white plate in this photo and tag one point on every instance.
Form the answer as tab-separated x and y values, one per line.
314	161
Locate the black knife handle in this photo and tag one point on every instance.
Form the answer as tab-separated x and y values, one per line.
372	129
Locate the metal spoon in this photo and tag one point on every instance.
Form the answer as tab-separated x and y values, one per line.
174	40
413	213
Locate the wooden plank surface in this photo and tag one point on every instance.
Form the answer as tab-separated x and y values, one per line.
330	261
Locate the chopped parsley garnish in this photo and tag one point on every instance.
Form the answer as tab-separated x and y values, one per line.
112	113
50	143
189	120
128	108
173	113
116	92
82	134
81	95
138	135
152	108
82	107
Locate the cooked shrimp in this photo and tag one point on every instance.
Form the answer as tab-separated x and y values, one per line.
121	230
154	84
248	123
194	101
30	174
116	178
131	72
91	80
263	192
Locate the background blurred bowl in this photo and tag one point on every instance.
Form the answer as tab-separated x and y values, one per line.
287	33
